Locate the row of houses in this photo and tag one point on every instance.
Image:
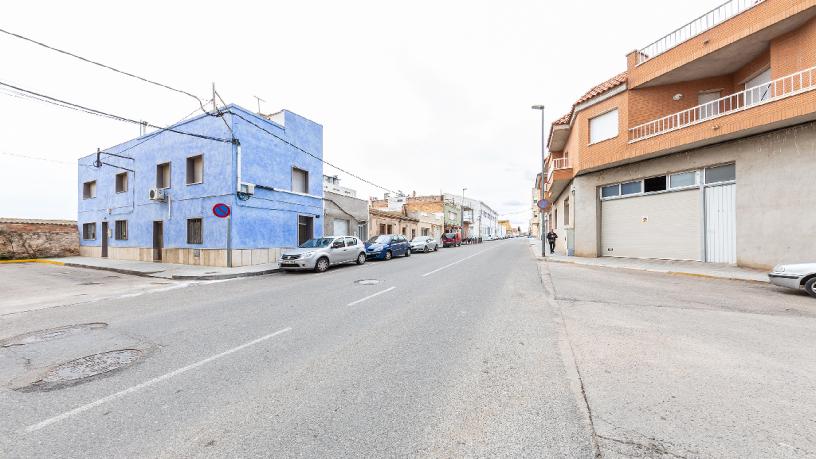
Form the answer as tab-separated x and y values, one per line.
234	188
701	150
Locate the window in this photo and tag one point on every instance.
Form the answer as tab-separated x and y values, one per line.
89	190
194	231
413	233
351	242
566	212
610	191
383	229
163	175
683	179
390	229
121	230
555	220
708	106
653	184
89	231
603	127
717	174
631	188
362	231
759	88
426	232
300	181
195	170
121	182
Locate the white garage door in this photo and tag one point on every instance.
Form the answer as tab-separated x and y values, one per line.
663	225
341	228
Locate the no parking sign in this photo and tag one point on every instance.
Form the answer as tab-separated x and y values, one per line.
221	210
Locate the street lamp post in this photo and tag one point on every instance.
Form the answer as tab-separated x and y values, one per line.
462	222
541	193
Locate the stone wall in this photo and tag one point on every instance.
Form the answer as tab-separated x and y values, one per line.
22	239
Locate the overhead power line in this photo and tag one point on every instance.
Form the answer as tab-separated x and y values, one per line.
92	111
38	158
146	80
309	153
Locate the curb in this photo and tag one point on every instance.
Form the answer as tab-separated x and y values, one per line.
33	260
224	276
115	270
658	271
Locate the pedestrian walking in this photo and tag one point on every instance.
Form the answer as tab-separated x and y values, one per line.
551	237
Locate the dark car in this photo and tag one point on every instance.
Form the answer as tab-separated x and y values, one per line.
386	246
451	240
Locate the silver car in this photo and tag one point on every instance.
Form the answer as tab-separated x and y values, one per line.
318	254
795	277
424	244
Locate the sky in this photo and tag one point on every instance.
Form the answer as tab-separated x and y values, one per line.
422	96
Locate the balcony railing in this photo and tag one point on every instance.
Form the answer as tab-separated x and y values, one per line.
705	22
751	97
558	164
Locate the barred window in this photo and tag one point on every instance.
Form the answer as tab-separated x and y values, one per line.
89	231
121	230
194	231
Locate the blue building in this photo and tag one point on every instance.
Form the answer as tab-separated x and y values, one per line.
152	198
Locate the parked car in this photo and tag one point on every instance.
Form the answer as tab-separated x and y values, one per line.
318	254
386	246
451	240
424	244
796	277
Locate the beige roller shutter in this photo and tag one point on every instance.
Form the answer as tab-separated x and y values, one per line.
663	225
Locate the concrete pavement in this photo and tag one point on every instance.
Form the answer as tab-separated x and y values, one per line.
453	353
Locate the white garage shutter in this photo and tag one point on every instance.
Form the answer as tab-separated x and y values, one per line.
341	228
663	226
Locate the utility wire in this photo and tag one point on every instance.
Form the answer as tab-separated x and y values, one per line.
81	108
146	80
308	153
37	158
153	135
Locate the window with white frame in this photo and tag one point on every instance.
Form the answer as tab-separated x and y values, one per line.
603	127
683	179
717	174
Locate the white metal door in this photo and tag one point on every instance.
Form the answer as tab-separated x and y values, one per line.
721	223
341	228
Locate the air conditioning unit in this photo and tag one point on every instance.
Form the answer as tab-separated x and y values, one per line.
247	188
157	194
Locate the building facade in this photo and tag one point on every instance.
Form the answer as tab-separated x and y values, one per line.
695	152
343	213
479	220
152	198
535	220
388	222
434	213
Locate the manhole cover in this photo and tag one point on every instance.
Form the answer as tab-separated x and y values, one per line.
91	365
367	282
49	334
90	283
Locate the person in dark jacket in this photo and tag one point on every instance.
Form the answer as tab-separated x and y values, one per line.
551	237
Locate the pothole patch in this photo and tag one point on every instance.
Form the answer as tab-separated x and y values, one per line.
49	334
84	368
367	282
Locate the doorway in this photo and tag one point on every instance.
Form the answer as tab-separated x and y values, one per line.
305	228
721	223
104	239
158	240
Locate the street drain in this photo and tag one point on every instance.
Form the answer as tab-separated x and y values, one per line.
367	282
49	334
83	369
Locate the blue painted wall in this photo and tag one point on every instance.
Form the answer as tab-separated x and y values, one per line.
267	219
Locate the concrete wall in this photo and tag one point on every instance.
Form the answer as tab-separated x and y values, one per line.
338	206
267	220
776	194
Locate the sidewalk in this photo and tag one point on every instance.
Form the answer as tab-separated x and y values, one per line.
690	268
166	270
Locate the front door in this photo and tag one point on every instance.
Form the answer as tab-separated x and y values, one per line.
305	228
104	239
721	223
158	240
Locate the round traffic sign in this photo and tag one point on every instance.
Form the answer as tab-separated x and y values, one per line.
221	210
542	203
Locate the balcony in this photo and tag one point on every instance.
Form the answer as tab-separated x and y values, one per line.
694	28
558	175
780	88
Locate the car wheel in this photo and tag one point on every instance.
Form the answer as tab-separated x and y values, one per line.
436	248
408	253
388	255
426	249
810	287
361	259
322	265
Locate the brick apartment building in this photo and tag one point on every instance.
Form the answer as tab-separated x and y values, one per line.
703	149
435	214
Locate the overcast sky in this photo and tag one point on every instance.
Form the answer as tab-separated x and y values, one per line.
422	96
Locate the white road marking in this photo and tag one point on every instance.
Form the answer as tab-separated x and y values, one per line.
371	296
130	390
455	262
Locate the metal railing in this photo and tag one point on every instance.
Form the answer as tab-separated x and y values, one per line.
694	28
558	164
751	97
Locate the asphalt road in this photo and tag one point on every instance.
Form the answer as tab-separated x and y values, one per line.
454	353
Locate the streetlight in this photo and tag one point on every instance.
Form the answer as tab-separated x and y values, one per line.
543	149
462	225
